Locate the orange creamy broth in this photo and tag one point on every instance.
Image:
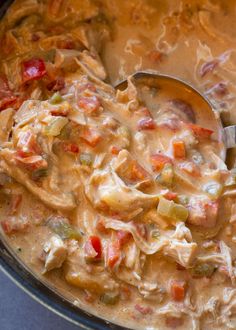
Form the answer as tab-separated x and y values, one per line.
115	200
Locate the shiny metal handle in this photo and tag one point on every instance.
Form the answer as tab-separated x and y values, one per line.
230	136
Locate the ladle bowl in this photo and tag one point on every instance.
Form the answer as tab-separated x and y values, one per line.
203	108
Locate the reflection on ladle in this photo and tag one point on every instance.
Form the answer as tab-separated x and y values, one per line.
203	109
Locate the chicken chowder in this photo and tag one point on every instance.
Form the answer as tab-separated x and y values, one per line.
120	200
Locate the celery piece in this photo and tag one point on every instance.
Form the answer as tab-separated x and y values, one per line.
62	228
86	159
213	188
110	298
203	270
56	98
166	176
172	210
55	127
39	174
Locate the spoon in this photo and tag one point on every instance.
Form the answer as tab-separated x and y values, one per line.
203	108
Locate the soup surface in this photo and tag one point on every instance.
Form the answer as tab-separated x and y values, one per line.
120	200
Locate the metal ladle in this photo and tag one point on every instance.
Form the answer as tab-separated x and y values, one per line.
204	109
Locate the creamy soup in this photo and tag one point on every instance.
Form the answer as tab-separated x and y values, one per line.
120	199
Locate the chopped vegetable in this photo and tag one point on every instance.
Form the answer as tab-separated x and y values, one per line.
27	144
93	248
137	172
70	147
62	228
146	124
55	127
158	161
200	132
110	298
177	290
213	189
172	210
39	174
89	104
32	162
113	254
179	150
203	270
91	136
33	69
123	237
115	150
86	159
166	176
56	98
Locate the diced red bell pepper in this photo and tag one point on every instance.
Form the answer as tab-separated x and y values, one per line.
93	247
91	137
170	195
158	161
177	290
7	97
32	162
115	150
27	144
138	172
89	104
200	132
70	147
33	69
100	226
146	123
179	150
113	254
123	237
14	203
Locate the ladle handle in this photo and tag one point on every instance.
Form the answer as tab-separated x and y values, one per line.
230	136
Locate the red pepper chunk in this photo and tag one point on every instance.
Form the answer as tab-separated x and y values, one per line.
137	172
177	290
33	69
96	244
32	162
200	132
123	237
70	147
158	161
146	123
27	144
179	150
91	137
89	104
113	254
